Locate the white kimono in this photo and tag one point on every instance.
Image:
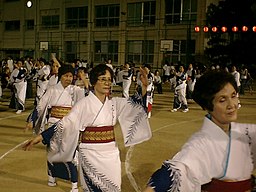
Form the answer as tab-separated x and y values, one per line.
52	81
59	96
100	162
211	153
18	79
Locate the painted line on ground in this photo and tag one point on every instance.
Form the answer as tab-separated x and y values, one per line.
12	149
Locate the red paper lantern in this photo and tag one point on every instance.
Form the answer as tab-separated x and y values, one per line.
214	29
197	29
224	29
234	29
206	29
244	28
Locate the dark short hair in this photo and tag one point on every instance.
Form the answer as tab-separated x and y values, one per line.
65	69
82	69
147	65
208	85
98	71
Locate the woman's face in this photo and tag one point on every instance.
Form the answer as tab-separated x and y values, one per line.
55	68
66	79
103	85
225	105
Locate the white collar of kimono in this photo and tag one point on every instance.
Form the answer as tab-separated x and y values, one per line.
91	94
212	129
59	85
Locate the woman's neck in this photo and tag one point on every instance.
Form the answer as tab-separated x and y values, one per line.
101	97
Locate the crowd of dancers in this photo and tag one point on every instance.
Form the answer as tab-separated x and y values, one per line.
75	113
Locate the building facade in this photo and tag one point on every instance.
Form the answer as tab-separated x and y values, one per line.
148	31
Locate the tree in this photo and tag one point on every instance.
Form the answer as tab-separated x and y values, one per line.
232	47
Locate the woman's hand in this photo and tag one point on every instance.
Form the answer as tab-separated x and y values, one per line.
29	126
28	145
149	189
144	80
85	79
143	76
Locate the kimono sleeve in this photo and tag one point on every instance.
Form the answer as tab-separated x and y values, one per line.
250	132
133	121
66	135
80	93
173	176
39	115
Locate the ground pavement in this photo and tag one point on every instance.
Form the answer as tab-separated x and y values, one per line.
25	171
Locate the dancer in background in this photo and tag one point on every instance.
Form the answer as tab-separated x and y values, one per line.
19	83
180	101
43	79
53	106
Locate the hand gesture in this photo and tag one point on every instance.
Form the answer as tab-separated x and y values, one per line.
28	126
85	79
28	145
143	76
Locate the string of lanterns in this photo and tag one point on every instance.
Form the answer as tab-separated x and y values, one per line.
224	29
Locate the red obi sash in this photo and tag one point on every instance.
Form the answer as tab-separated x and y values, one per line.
223	186
103	134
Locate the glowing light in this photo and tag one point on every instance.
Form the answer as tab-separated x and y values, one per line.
206	29
224	29
234	29
244	28
214	29
29	4
254	28
197	29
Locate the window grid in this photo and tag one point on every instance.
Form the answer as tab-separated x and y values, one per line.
141	13
104	50
180	11
107	15
50	22
77	17
12	25
140	51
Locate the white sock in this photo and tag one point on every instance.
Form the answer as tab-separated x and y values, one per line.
51	179
74	185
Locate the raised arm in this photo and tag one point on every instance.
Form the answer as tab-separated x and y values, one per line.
144	80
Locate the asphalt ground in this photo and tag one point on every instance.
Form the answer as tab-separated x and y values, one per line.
25	171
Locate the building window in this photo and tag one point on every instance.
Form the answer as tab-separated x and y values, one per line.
141	13
179	53
180	11
12	25
13	53
140	51
104	50
107	15
29	24
50	22
70	50
76	17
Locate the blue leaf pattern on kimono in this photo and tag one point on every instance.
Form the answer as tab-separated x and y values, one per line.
98	179
167	178
57	136
136	103
175	176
